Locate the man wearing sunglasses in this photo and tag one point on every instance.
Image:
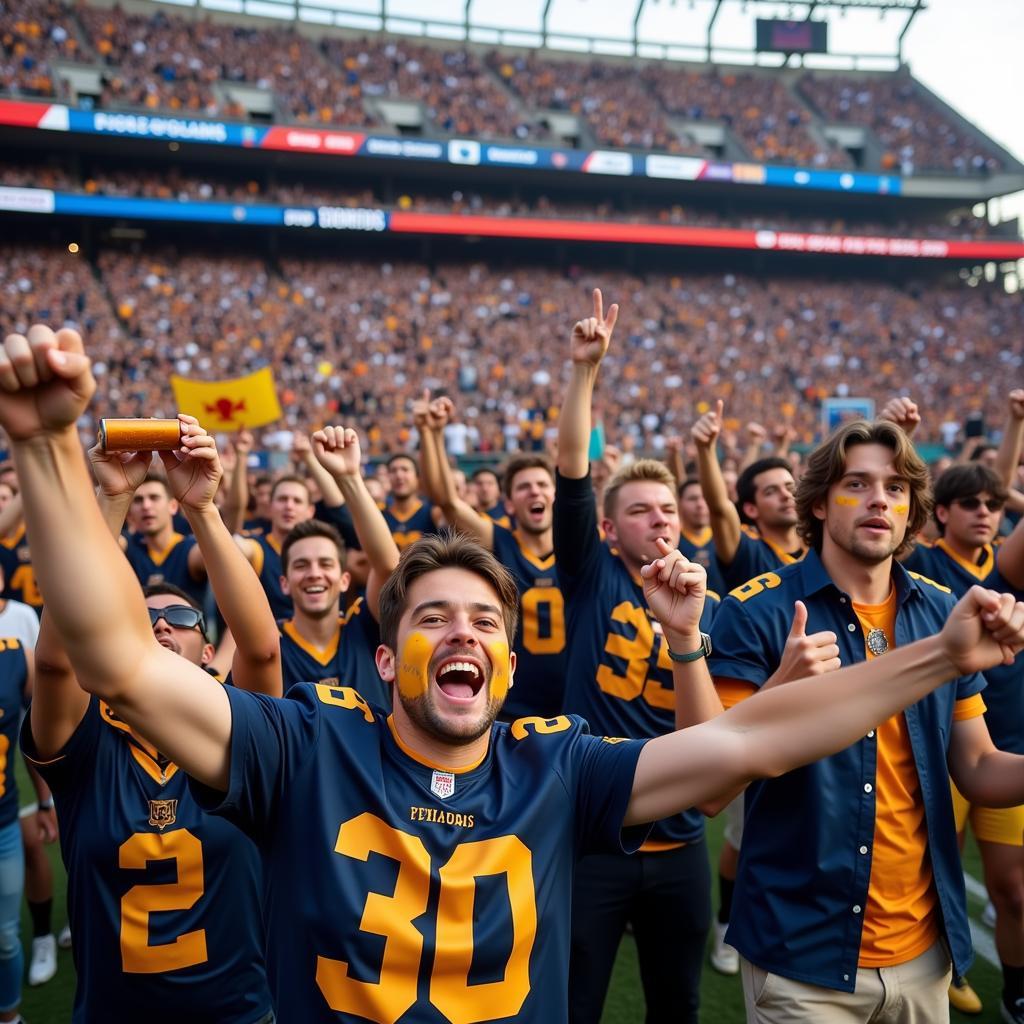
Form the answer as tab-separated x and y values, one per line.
133	837
969	502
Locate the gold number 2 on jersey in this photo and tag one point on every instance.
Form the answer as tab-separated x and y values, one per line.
137	955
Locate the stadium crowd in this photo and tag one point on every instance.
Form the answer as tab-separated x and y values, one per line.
335	331
616	625
163	61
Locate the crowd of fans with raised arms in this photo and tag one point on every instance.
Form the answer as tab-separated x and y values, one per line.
516	675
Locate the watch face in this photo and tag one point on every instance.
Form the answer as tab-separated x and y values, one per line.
705	642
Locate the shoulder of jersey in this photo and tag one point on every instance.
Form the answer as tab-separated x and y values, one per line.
929	582
758	589
533	731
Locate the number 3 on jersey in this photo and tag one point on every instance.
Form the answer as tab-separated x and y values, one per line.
387	1000
636	652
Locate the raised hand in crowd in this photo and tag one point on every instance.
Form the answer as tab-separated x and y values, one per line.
902	411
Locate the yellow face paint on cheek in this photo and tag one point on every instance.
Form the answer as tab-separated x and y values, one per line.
498	652
901	510
413	666
842	499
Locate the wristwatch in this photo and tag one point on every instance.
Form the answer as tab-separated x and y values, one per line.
704	651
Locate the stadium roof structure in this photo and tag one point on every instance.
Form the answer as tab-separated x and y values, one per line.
400	18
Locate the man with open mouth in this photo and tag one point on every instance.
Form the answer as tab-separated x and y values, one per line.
419	866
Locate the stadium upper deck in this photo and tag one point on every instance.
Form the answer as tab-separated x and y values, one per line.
153	59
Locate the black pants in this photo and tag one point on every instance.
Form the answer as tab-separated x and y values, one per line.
667	898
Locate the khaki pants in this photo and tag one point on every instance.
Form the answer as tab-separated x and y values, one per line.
910	993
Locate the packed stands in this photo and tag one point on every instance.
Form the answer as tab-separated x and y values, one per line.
163	61
917	134
361	339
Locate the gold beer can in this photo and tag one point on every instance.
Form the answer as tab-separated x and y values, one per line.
140	435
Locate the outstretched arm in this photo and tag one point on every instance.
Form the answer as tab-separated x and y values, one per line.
781	729
45	385
194	479
338	454
725	520
587	347
1008	456
1010	557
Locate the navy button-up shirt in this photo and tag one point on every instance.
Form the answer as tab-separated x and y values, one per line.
805	863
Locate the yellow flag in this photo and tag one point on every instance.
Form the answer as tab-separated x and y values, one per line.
224	406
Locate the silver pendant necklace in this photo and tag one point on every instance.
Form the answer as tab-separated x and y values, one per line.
877	641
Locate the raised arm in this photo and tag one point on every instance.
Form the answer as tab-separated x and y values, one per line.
725	520
781	729
58	702
236	498
45	385
587	347
1008	456
457	512
194	478
332	496
757	435
338	453
902	411
1010	557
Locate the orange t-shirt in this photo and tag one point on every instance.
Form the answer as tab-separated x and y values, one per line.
901	919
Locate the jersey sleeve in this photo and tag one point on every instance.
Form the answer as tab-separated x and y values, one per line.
63	772
576	540
969	707
271	740
741	650
602	783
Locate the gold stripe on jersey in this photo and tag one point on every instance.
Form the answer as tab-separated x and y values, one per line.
322	655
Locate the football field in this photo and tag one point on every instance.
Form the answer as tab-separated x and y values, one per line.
721	1000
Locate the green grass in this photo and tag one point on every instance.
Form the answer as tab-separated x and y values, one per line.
721	997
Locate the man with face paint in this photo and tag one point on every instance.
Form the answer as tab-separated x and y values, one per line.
419	866
874	824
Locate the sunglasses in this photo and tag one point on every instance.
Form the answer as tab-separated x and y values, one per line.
973	504
178	616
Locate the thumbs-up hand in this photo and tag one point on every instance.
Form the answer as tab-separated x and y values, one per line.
805	655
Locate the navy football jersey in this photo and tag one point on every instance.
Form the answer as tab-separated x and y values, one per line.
167	566
700	548
413	525
348	661
13	677
269	569
163	898
540	640
256	527
19	577
1004	694
618	672
398	891
498	514
753	557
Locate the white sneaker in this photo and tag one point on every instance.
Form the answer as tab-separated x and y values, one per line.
724	958
64	939
43	965
988	915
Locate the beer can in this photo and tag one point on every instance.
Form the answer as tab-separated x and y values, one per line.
140	435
